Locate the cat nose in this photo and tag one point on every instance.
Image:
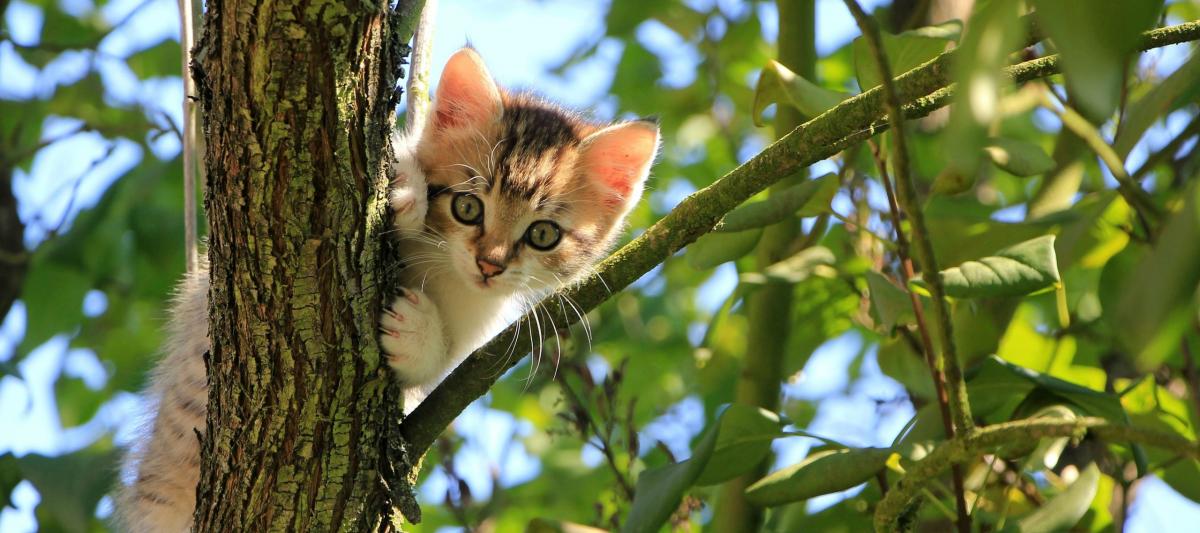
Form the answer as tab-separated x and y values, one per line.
488	268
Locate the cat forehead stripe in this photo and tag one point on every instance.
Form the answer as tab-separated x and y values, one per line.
536	136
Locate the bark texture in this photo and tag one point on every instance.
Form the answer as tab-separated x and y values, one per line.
298	99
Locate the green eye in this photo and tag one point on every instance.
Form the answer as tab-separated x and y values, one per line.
543	235
467	208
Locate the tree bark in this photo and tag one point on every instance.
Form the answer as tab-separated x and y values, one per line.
299	101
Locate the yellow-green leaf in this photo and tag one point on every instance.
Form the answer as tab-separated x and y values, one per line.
1013	271
779	85
713	249
809	198
1018	157
820	473
1064	510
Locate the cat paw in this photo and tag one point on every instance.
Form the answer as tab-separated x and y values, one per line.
408	196
412	339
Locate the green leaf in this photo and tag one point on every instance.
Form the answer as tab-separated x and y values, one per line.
779	85
53	296
77	403
899	361
809	198
1048	450
20	128
1014	271
890	303
922	433
162	59
996	382
546	525
1179	88
84	99
659	490
794	269
1156	305
10	476
904	51
820	473
1095	44
1183	476
70	485
1154	407
1018	157
713	249
1064	511
743	441
995	31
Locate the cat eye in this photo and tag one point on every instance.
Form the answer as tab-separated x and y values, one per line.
467	208
543	235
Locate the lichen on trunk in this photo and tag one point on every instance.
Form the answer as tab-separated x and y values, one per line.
298	100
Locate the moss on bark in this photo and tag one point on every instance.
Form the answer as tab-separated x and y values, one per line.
299	100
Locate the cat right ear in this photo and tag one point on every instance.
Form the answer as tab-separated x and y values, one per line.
466	97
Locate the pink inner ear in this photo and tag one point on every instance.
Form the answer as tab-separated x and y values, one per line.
620	157
617	169
451	115
466	93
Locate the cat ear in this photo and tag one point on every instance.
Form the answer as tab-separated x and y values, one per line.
617	159
466	95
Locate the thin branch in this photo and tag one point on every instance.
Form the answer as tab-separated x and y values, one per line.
850	122
906	274
584	417
418	70
1190	376
952	390
853	225
1168	151
190	233
967	448
1134	195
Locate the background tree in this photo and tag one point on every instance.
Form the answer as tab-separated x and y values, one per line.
622	407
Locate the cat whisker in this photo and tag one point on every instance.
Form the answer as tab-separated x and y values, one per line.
587	327
492	154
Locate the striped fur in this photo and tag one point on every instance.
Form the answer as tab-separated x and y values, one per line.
526	160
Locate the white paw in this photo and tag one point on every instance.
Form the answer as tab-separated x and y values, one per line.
408	196
412	338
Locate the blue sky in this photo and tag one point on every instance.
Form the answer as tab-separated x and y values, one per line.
518	59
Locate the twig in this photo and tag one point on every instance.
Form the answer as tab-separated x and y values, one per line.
584	418
854	224
190	233
967	448
1133	194
1189	374
848	123
418	70
1168	151
952	391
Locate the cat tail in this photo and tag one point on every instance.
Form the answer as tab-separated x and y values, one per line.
159	473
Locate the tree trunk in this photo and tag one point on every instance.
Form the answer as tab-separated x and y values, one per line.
298	100
769	309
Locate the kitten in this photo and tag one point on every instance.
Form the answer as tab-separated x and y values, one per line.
501	199
523	197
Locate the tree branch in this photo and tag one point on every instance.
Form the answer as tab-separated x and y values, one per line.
964	449
947	376
769	310
852	121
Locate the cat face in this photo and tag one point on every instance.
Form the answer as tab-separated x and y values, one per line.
525	195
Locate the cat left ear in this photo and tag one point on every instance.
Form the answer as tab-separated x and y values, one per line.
617	160
466	97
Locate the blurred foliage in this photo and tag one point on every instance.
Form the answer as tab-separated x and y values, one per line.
1088	310
122	253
